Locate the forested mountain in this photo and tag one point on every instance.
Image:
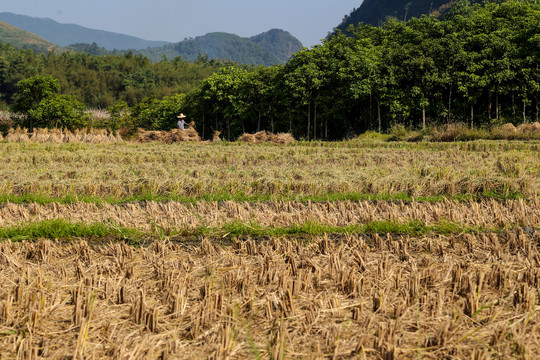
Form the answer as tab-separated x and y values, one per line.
21	39
67	34
269	48
376	12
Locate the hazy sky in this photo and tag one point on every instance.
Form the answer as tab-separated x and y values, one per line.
169	20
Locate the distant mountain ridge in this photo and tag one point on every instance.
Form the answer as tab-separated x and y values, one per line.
68	34
269	48
21	39
275	46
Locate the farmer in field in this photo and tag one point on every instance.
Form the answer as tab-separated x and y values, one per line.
181	121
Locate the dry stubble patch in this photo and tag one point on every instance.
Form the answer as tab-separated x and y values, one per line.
379	296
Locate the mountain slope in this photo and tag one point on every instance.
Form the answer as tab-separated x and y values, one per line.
375	12
67	34
21	39
270	48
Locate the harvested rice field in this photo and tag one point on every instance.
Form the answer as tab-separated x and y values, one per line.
357	249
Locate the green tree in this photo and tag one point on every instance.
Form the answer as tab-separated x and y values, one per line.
304	77
225	91
30	93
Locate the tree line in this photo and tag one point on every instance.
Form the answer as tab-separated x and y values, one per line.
479	64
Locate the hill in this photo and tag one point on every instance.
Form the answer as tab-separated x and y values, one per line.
280	43
375	12
21	39
269	48
68	34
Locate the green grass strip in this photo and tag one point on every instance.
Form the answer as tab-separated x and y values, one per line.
240	197
60	229
63	229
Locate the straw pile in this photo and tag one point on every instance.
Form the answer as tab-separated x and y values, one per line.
508	128
17	135
247	138
281	138
215	137
59	136
263	136
175	135
528	128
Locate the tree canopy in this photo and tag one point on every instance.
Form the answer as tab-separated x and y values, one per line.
479	64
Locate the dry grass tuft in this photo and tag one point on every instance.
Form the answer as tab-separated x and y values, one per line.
98	115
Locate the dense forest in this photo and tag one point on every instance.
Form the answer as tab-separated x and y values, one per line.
102	81
478	64
269	48
217	45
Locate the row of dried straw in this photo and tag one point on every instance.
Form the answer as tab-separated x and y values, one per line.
489	214
523	128
60	136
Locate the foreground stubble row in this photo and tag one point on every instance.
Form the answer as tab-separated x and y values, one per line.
359	296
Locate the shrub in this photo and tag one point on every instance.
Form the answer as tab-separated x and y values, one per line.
30	93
